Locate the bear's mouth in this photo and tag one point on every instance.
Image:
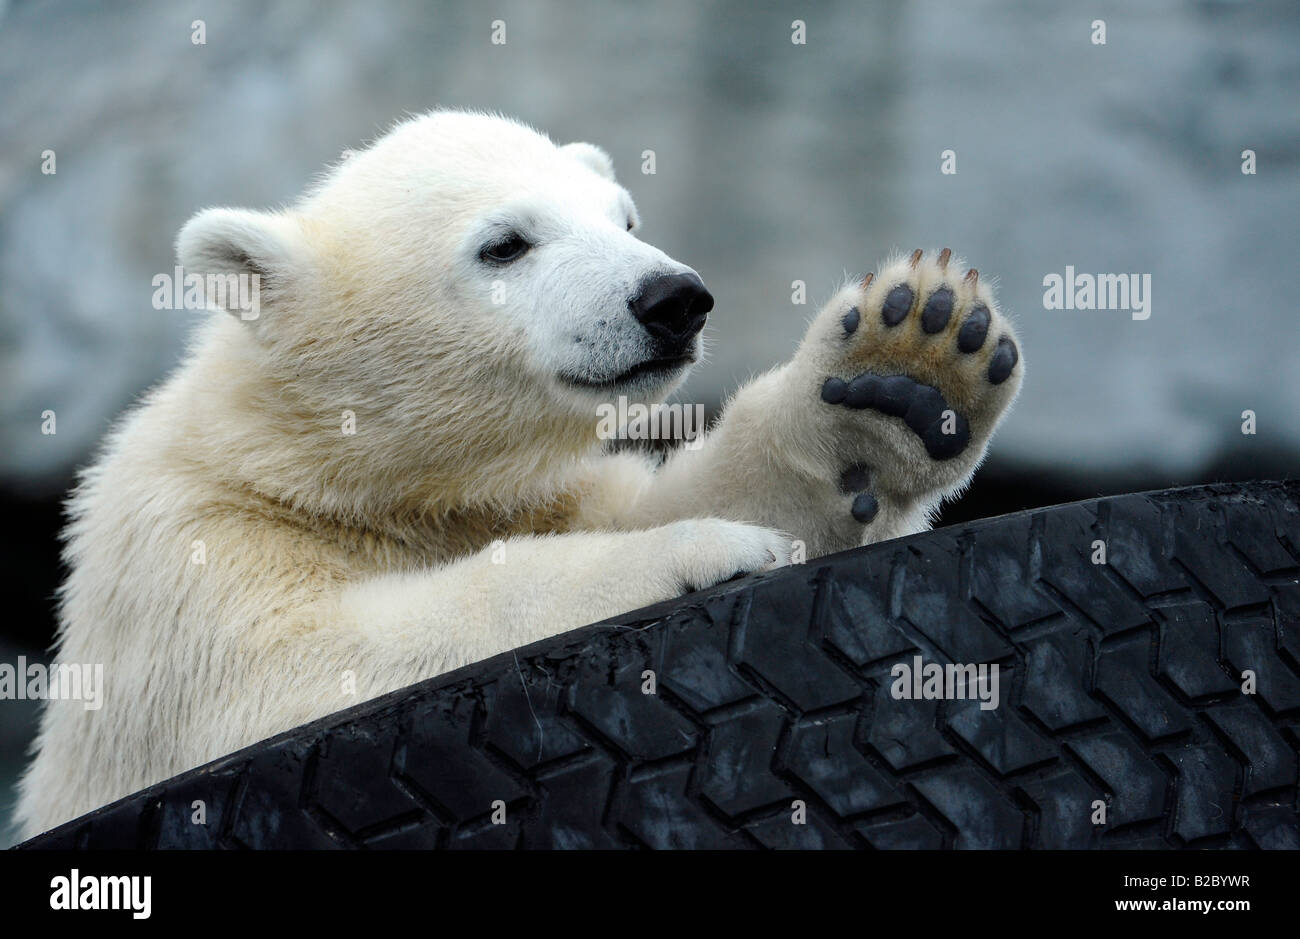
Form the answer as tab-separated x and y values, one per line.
660	367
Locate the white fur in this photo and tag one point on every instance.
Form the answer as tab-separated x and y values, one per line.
473	509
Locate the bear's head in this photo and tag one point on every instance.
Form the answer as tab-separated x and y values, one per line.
465	286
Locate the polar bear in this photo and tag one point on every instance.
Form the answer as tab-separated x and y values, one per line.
392	469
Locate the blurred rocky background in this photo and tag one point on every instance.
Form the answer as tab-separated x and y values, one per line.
775	162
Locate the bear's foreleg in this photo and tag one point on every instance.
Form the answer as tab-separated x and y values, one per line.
395	629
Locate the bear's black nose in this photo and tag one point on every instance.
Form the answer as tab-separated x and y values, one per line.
672	308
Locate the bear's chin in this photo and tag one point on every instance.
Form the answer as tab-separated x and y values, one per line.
648	376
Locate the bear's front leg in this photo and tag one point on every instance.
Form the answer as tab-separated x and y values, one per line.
887	407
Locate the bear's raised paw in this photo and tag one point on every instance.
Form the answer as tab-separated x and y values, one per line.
912	369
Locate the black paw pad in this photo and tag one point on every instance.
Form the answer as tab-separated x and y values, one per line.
942	444
896	305
971	335
938	310
855	479
923	408
863	392
850	321
895	395
944	432
834	390
865	507
1004	360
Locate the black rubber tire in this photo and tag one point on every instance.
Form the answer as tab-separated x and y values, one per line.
1121	683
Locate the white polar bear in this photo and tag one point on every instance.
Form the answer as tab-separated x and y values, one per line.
310	510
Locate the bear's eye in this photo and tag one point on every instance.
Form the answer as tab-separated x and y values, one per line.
505	250
630	225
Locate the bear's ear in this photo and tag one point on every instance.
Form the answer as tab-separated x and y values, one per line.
262	250
591	156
